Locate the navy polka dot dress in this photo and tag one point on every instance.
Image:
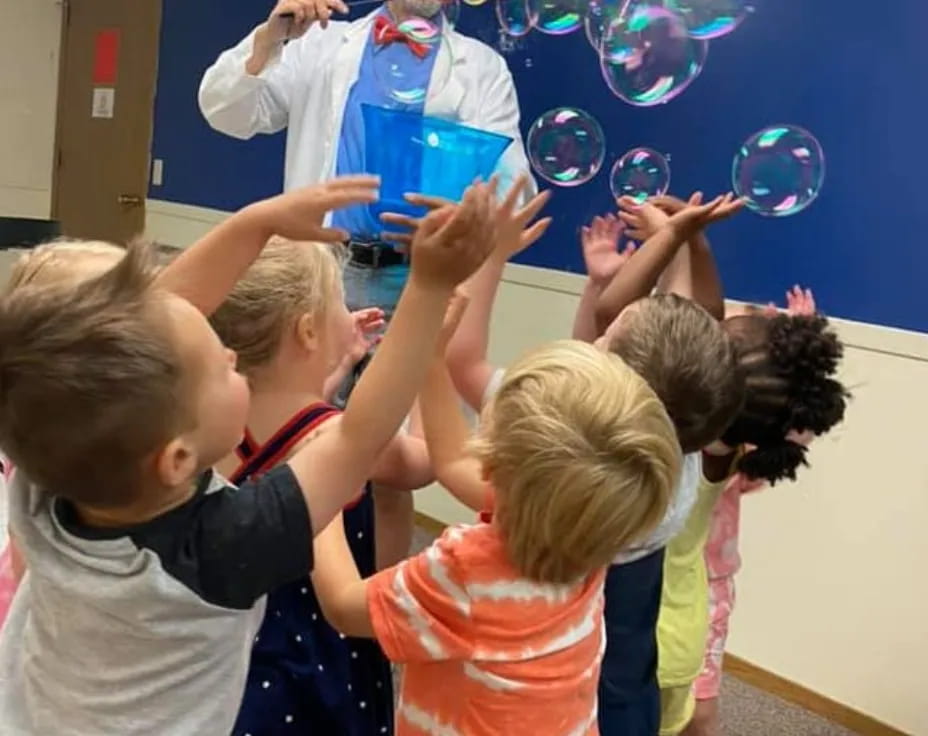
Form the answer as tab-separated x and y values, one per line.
305	677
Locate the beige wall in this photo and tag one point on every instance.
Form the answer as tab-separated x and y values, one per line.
832	594
30	32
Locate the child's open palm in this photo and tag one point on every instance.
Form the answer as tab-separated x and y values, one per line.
452	242
368	324
697	216
642	220
600	243
514	234
298	215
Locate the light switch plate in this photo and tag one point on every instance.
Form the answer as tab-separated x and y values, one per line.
157	172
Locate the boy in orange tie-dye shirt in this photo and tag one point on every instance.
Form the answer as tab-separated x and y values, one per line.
499	624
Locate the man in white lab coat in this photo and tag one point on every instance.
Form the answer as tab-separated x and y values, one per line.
299	71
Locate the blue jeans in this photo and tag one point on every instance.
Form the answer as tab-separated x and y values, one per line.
375	287
629	696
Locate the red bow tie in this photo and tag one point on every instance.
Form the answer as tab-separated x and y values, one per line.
386	32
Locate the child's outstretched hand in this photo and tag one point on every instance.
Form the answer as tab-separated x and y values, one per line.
514	234
800	302
298	215
642	219
600	243
368	324
452	242
697	216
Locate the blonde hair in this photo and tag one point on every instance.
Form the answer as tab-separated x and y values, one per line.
582	456
90	380
64	261
287	280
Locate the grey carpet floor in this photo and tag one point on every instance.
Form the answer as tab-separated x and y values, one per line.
746	711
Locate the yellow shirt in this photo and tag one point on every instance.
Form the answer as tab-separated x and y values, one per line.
683	624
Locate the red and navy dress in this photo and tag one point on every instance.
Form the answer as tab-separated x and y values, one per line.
305	677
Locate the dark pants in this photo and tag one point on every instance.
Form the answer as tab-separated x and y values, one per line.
375	276
629	697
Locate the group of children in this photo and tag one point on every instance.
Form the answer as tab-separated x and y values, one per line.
211	546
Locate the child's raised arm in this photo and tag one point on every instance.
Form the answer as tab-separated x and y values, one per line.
205	273
467	353
449	246
704	280
636	279
603	259
446	430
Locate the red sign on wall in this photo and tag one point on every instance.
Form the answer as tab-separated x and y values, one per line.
106	57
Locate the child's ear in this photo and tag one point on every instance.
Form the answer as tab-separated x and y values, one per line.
176	463
306	334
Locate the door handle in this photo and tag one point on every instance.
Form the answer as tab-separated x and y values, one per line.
129	200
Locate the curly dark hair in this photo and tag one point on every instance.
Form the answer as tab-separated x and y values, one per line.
789	364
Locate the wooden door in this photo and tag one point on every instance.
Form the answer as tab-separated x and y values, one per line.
105	101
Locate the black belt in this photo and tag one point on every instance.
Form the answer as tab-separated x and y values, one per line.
375	254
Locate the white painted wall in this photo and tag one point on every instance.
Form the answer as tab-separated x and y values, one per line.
832	594
30	35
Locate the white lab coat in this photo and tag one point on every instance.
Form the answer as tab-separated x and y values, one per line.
305	88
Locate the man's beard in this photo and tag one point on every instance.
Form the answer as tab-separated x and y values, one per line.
422	8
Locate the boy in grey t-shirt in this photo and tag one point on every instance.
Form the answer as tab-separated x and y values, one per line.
146	573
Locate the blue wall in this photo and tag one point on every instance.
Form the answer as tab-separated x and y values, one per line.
852	76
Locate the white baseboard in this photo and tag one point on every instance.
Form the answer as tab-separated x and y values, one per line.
179	225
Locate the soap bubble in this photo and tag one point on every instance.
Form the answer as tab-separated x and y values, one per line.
515	16
648	57
599	15
557	17
640	173
407	81
566	146
711	18
779	170
420	30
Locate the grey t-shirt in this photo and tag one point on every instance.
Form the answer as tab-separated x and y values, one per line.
145	630
677	512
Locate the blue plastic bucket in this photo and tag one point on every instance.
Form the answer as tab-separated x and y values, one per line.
414	153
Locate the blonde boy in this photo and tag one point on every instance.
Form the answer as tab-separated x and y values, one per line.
500	624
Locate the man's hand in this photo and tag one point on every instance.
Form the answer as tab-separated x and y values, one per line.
290	19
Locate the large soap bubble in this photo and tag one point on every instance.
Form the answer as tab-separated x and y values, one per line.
408	80
566	146
710	18
640	173
515	16
648	57
597	18
557	17
779	170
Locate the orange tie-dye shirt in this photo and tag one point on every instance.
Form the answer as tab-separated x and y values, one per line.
487	651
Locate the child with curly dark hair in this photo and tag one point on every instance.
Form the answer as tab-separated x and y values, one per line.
788	363
798	362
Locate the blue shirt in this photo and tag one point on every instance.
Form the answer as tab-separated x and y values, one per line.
373	88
